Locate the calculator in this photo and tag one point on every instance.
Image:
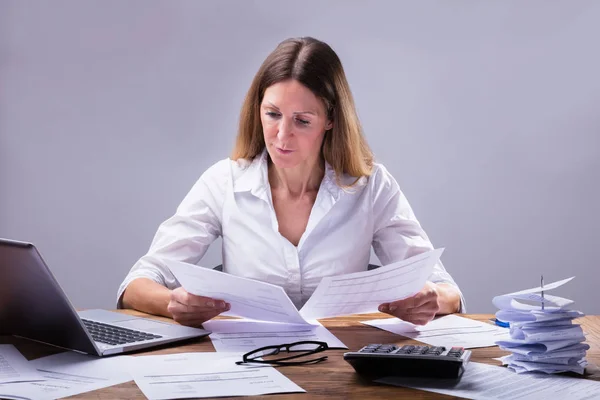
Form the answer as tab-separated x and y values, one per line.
381	360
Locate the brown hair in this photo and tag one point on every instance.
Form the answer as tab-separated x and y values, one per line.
315	65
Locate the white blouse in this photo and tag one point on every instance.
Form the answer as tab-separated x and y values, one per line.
232	199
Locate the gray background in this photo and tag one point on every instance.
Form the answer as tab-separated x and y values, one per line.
485	112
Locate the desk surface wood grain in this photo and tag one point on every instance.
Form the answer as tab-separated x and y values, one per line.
333	378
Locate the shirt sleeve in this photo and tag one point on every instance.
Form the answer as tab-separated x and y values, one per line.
186	235
397	233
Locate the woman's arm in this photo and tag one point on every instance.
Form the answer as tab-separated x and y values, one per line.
449	299
150	297
145	295
184	237
398	235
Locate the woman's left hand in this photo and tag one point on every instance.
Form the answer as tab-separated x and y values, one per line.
418	309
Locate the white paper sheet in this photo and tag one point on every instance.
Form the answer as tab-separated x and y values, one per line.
248	298
190	375
555	365
448	331
537	354
360	292
363	292
244	335
536	316
543	324
68	374
521	367
539	347
14	367
551	303
542	334
488	382
555	360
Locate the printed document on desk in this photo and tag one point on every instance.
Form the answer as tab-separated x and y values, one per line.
14	367
489	382
245	335
363	292
248	298
448	331
69	373
192	375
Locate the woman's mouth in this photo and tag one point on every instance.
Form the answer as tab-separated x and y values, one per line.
284	152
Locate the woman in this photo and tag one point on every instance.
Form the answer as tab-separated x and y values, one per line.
299	199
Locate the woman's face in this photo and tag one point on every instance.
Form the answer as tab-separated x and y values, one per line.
294	122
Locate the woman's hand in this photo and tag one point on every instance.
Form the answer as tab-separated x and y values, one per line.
191	310
421	308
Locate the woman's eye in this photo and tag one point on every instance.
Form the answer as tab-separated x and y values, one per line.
272	114
303	121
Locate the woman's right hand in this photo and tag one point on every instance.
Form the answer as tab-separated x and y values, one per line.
191	310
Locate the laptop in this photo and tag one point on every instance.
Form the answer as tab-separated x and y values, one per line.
34	306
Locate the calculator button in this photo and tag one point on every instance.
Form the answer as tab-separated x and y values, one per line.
370	348
456	351
406	349
420	350
367	350
384	349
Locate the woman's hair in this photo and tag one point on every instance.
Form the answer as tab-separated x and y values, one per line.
315	65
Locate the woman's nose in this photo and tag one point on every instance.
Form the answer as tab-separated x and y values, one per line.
285	129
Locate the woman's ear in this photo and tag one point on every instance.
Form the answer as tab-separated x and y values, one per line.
329	125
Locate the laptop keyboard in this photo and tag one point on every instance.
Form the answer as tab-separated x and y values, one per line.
115	335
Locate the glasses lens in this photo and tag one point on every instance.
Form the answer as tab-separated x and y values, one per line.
307	347
267	352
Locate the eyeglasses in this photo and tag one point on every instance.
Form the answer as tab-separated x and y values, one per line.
300	349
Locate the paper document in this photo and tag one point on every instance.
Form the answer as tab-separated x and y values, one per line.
540	353
488	382
248	298
70	373
191	375
448	331
14	367
539	347
363	292
244	335
360	292
536	316
551	303
521	364
530	334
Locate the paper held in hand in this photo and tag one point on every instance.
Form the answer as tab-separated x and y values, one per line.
363	292
360	292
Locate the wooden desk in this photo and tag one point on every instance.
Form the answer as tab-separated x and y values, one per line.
333	378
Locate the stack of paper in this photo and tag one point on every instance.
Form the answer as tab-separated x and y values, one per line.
543	336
